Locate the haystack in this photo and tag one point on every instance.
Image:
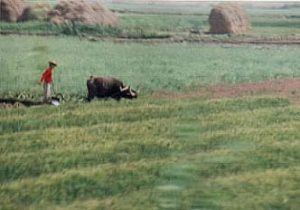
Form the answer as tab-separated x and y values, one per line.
229	18
10	10
84	11
36	12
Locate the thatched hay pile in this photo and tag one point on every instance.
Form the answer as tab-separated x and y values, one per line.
85	11
36	12
10	10
228	18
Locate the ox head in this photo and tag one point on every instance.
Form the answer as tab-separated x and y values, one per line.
127	92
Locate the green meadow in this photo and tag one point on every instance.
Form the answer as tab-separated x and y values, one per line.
147	67
155	152
150	153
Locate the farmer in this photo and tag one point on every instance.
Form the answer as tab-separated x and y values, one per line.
47	80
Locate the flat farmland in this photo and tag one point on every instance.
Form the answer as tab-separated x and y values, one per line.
215	126
152	153
148	67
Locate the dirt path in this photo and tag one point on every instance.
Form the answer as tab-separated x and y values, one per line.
169	38
286	87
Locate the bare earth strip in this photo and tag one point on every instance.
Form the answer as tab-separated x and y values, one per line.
285	87
169	38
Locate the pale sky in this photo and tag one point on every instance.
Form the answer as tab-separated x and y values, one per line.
208	0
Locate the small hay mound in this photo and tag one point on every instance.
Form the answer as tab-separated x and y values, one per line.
36	12
10	10
88	12
228	18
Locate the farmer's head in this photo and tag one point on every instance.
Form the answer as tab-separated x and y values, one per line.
52	64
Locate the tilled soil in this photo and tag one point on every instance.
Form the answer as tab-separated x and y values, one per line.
285	87
16	103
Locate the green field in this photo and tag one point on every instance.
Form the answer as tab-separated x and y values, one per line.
152	154
173	148
147	67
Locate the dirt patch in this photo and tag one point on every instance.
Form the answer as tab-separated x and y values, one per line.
16	103
285	87
288	87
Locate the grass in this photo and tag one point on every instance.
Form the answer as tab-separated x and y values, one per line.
159	8
46	28
151	154
163	22
275	24
147	67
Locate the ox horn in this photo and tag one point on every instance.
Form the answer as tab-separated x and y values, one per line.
124	89
131	92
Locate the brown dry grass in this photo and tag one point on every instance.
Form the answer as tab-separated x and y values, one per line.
10	10
228	18
88	12
38	11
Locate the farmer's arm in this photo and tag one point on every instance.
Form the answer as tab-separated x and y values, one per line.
43	77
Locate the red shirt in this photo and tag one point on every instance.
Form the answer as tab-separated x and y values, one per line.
47	76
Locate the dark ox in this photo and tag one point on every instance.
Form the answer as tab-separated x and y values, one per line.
108	87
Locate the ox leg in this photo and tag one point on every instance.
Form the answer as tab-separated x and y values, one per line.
91	92
90	96
117	98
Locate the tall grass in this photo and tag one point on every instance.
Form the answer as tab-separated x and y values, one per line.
151	154
46	28
147	67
